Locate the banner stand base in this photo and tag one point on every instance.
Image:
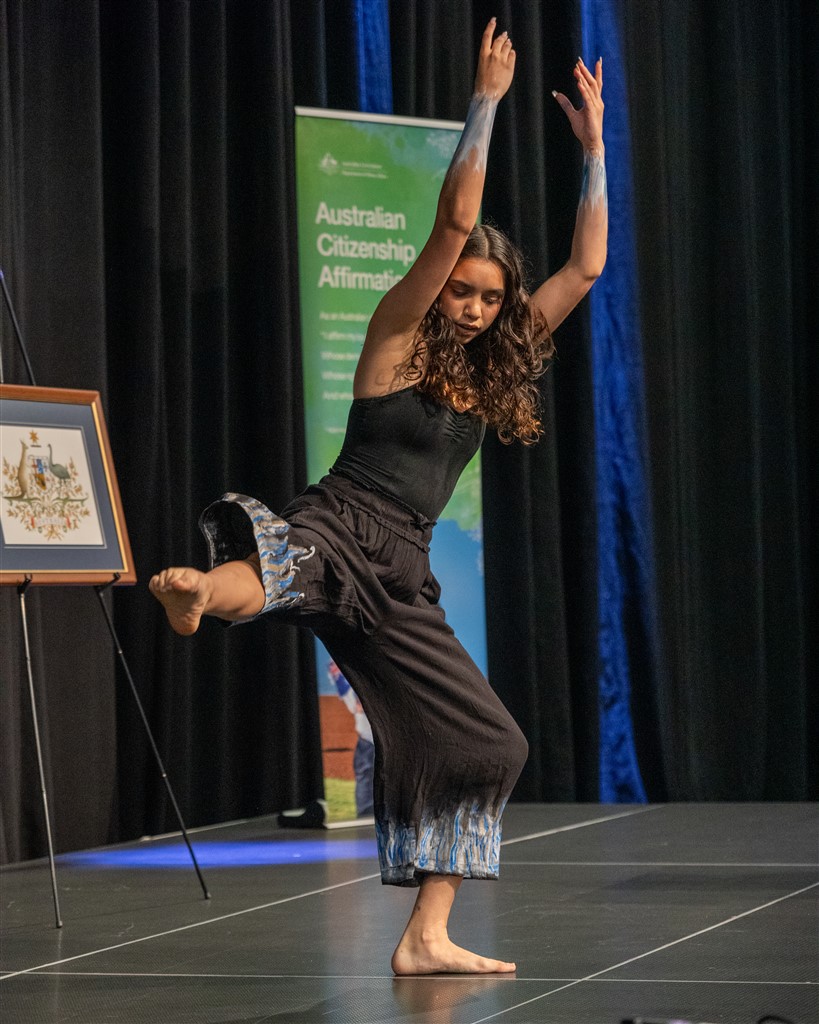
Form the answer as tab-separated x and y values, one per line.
314	815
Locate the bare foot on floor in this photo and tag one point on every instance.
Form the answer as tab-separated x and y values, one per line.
184	595
441	956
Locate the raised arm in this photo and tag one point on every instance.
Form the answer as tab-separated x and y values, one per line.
558	295
391	332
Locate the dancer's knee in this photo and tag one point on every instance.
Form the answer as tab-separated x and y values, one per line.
517	749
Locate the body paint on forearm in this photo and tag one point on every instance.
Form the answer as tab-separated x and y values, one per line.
594	190
473	147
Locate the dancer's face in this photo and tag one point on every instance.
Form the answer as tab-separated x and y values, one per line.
472	297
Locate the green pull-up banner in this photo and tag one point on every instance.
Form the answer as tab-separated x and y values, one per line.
367	189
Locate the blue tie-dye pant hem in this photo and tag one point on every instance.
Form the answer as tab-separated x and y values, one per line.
465	842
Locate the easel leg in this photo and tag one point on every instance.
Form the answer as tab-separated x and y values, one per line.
100	591
21	590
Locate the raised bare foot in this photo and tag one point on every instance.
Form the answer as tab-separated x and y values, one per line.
441	956
184	595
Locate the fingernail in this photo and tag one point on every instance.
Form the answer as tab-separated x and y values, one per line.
579	60
554	93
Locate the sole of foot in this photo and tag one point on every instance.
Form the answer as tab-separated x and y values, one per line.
182	594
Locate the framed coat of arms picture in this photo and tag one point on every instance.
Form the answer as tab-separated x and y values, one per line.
61	519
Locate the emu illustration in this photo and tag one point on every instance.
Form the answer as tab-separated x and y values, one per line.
62	474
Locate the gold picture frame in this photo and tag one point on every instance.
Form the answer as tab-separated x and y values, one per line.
61	518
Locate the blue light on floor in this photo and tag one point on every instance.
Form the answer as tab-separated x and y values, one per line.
227	855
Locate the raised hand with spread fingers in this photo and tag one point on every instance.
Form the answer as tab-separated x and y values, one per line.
558	295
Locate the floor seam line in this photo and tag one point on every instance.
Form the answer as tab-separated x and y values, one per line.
654	864
581	824
267	906
420	978
194	924
650	952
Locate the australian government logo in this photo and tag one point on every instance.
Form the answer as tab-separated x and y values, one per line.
351	168
46	492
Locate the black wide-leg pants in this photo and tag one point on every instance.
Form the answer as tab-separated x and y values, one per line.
354	567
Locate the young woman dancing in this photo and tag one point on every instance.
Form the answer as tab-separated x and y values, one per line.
455	345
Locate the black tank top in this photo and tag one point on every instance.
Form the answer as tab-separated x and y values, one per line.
408	447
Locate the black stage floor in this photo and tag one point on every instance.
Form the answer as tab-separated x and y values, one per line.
701	912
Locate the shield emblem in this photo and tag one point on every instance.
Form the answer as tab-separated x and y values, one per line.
39	466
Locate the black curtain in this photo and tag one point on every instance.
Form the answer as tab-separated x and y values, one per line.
150	250
727	241
722	103
148	231
53	259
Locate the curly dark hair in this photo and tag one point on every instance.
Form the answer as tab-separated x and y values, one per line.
495	374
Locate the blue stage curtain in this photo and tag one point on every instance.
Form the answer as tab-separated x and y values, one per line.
372	27
628	628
